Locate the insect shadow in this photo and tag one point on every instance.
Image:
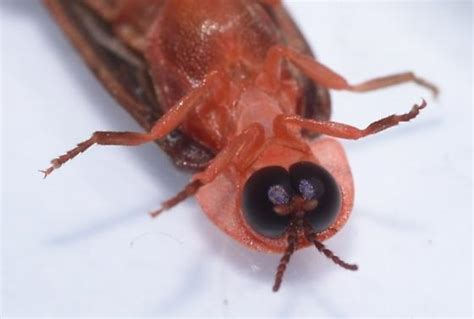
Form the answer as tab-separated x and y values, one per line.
151	159
306	268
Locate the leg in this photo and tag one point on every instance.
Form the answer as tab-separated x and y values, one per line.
325	77
243	149
188	191
211	85
341	130
241	152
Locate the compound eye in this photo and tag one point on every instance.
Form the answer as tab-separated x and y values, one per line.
265	189
313	182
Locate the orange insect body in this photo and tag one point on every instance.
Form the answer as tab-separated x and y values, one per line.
192	39
237	77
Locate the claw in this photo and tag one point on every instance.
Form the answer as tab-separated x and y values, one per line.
46	172
422	106
55	164
155	213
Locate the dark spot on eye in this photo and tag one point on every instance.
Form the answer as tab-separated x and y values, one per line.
278	195
311	188
266	188
314	182
306	189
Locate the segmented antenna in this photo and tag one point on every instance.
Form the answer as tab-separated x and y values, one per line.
311	237
285	259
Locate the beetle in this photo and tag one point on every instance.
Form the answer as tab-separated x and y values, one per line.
231	91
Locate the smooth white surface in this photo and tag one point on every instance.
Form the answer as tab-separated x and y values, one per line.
81	243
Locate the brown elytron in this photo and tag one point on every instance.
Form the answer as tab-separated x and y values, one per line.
225	88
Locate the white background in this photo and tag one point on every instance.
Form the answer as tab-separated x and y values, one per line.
81	243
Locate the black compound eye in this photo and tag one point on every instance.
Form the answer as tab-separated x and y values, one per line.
266	188
312	181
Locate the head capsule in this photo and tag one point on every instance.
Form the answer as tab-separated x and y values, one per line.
286	201
273	197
